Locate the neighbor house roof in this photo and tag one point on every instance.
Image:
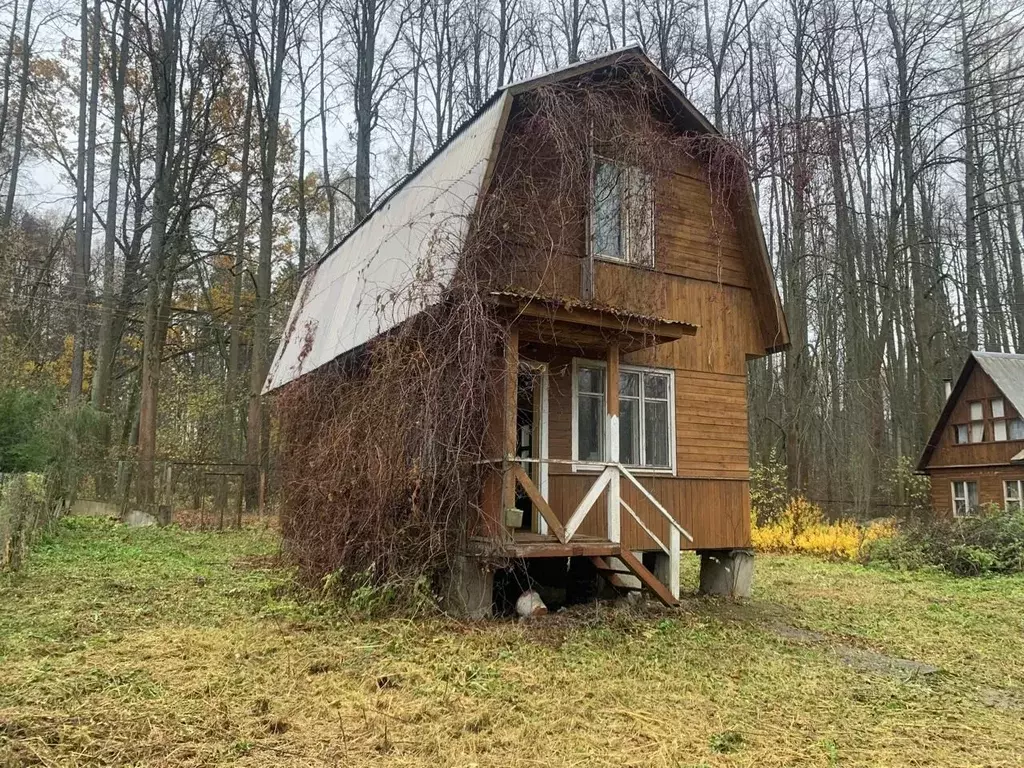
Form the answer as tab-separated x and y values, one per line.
1007	373
370	282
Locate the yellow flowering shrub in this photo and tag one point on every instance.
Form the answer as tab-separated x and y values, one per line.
802	528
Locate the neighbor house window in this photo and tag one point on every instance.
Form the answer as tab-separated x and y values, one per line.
977	422
998	419
965	497
960	435
645	416
1013	493
622	214
1016	429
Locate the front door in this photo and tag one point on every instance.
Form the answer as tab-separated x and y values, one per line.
532	438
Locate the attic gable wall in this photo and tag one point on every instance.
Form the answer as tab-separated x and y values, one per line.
978	387
703	264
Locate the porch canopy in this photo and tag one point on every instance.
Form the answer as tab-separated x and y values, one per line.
586	325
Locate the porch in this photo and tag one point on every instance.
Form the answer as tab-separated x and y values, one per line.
523	520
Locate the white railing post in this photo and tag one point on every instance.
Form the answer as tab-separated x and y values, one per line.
612	448
673	561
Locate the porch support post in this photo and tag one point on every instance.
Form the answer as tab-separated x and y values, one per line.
612	450
508	478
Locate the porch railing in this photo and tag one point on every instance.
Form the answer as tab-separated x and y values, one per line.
608	479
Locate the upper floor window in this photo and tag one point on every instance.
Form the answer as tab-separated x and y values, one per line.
974	430
622	214
646	420
977	422
1001	426
1016	429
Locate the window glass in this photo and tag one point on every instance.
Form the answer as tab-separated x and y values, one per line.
629	384
997	408
960	433
590	380
607	205
656	386
656	438
1017	429
590	413
999	430
590	428
976	412
977	431
972	495
629	431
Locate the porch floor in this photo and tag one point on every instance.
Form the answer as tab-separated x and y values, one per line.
524	544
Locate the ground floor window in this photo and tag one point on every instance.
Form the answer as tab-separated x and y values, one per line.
965	497
1013	493
646	423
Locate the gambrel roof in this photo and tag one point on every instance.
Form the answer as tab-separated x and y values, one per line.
361	288
1007	373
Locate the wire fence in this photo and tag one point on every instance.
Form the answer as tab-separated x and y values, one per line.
208	495
26	512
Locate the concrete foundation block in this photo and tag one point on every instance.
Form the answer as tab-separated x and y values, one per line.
726	572
136	518
90	508
468	589
662	569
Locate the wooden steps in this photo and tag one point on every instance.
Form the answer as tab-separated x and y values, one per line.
633	568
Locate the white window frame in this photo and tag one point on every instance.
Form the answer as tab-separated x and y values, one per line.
584	466
1019	485
628	174
966	497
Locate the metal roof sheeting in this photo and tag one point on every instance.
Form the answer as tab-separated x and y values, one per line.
373	280
366	285
1007	372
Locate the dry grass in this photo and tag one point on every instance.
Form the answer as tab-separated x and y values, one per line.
171	648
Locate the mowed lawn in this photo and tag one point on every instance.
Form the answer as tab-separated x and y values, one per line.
171	648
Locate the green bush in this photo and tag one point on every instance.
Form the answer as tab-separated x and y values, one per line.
990	542
26	443
24	513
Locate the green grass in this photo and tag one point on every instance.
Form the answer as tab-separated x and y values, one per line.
169	648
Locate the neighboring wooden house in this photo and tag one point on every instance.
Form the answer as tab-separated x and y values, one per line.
623	474
975	455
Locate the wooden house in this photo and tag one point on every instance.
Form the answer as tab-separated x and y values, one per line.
975	455
620	434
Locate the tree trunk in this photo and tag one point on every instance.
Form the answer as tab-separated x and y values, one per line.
256	452
19	117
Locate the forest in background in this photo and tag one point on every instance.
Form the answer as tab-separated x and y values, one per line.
211	151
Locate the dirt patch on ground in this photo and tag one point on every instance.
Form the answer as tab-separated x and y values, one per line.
1001	698
860	658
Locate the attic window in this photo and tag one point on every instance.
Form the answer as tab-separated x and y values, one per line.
622	214
1017	429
